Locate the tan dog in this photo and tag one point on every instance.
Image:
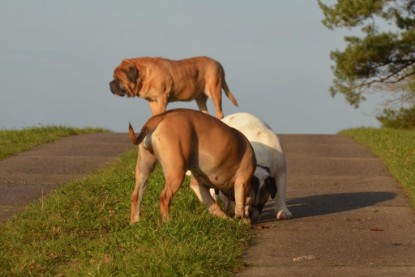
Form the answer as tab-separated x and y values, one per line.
217	156
161	81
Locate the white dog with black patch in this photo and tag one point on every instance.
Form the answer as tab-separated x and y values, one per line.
271	171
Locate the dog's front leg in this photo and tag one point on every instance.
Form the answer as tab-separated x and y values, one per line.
204	196
158	106
144	167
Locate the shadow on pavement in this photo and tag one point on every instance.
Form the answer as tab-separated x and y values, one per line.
316	205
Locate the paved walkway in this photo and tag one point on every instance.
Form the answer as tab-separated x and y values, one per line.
351	217
31	175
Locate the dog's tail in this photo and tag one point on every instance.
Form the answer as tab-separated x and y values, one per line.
225	86
148	128
229	93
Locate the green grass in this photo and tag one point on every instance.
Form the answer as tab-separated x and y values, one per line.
83	229
15	141
396	148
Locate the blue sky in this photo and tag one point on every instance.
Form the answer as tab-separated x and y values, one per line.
57	58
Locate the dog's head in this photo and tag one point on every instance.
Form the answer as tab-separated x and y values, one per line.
262	187
126	79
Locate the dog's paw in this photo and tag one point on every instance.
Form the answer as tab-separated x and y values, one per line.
133	222
134	218
217	211
284	214
246	220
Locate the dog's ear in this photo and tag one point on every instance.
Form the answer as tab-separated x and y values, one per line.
255	184
271	185
132	73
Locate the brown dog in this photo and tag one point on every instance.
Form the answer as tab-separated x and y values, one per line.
161	81
218	157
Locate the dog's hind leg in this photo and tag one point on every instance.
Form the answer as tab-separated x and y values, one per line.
144	167
173	182
201	103
281	210
215	93
204	196
241	193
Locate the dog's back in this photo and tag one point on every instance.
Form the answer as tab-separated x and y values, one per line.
207	144
268	149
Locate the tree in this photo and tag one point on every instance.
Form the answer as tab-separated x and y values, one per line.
382	59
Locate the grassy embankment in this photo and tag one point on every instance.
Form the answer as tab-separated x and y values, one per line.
396	148
82	229
15	141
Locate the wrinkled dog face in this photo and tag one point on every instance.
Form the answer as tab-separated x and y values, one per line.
116	88
262	188
125	80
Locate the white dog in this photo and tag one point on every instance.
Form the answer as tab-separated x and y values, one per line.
271	171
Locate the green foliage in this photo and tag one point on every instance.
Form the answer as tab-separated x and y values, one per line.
396	148
380	61
404	118
348	13
83	229
15	141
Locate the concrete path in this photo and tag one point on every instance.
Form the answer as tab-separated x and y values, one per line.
30	175
351	216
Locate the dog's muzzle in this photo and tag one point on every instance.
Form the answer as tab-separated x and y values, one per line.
254	214
115	88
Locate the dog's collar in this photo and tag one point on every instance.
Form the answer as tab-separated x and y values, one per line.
266	168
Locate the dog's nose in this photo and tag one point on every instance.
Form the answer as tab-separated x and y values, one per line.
111	86
115	88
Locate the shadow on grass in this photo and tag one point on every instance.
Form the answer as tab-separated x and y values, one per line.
325	204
